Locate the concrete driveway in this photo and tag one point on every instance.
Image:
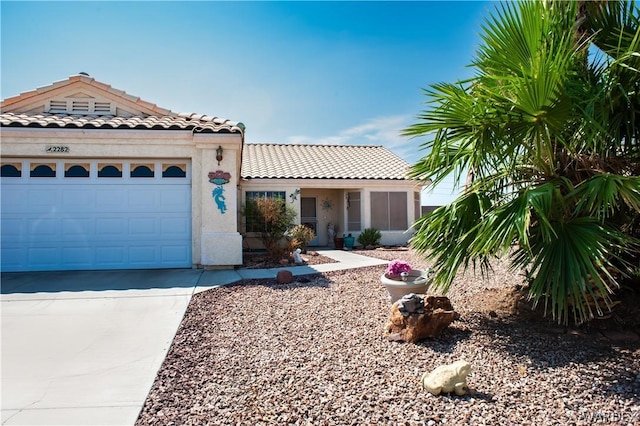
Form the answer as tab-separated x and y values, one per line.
81	348
84	347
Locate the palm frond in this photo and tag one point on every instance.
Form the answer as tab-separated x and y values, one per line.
573	268
446	234
601	195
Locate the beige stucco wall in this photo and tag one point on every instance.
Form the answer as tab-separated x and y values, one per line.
336	190
215	240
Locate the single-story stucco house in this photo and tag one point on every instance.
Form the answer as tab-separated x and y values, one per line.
94	178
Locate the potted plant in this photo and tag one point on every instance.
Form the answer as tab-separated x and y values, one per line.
349	240
401	279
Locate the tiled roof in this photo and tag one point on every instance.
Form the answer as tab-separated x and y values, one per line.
194	122
274	161
25	110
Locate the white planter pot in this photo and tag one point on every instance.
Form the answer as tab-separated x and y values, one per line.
417	282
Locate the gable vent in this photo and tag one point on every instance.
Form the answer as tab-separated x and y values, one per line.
80	106
102	107
58	106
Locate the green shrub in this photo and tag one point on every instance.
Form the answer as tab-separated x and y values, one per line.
369	237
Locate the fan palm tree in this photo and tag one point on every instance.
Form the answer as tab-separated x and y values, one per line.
546	135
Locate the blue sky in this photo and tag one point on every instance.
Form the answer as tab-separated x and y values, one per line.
292	72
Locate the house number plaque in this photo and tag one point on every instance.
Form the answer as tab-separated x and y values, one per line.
57	148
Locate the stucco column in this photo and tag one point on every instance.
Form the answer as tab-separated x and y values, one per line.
220	242
365	205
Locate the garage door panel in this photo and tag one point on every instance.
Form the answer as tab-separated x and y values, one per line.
108	257
39	198
44	257
174	225
140	199
12	258
78	200
174	200
110	200
141	226
13	198
77	257
12	227
174	254
62	224
45	228
81	227
142	254
109	227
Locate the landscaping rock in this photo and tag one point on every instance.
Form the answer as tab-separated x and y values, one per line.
408	324
315	354
284	277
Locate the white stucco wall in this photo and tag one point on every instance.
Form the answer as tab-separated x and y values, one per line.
216	242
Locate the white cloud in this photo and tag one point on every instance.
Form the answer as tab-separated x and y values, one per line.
385	131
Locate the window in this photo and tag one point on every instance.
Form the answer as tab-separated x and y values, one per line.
174	170
265	194
106	170
141	171
252	225
353	211
11	170
417	208
389	211
76	170
43	170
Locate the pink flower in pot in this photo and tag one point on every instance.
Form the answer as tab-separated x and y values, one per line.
398	268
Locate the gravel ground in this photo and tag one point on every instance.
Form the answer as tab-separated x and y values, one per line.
312	353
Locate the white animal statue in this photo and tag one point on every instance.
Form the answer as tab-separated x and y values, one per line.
448	378
296	256
331	231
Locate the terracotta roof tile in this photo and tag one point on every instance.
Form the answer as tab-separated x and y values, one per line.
281	161
204	124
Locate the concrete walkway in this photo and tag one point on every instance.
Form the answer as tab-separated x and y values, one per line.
84	347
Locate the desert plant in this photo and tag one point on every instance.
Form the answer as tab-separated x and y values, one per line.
369	237
270	218
546	134
300	236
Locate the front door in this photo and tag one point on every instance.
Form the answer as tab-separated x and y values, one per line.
308	216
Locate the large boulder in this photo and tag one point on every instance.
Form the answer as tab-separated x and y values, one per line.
415	317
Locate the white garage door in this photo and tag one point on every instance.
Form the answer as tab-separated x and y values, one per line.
102	214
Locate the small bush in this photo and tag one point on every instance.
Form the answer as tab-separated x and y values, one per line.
270	218
369	237
300	236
